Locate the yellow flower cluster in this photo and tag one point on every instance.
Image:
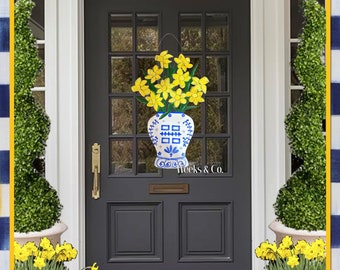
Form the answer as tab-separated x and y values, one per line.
43	255
291	254
170	86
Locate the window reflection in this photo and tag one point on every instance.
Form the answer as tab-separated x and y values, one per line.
191	34
121	116
147	32
121	157
217	72
217	32
121	74
121	32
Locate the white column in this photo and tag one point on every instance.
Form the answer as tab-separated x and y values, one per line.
64	103
269	54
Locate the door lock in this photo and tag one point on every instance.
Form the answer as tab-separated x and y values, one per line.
96	171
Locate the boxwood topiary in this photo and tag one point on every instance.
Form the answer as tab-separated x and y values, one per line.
36	203
301	202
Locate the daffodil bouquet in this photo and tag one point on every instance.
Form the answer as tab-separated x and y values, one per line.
171	86
44	256
287	256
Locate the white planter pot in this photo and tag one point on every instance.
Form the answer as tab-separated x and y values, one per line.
171	136
281	231
53	234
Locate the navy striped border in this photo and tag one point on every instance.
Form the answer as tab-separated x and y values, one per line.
335	152
4	150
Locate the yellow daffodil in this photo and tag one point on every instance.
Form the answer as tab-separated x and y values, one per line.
300	247
21	255
94	266
48	254
154	101
200	83
45	243
286	242
310	253
31	248
284	252
180	78
293	261
154	74
141	87
195	96
163	59
164	88
39	262
183	62
177	97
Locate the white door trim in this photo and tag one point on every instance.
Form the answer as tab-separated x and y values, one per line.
64	50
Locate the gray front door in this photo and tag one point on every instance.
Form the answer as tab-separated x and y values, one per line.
151	219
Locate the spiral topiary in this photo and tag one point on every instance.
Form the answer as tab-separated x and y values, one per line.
301	202
36	203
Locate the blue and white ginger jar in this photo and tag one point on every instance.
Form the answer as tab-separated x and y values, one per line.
171	136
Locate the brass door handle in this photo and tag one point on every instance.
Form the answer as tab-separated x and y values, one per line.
96	171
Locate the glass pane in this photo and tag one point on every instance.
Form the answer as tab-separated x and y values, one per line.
144	113
146	156
191	34
121	116
217	115
217	32
121	74
39	97
293	78
121	32
217	154
217	72
194	61
295	95
296	18
196	115
147	32
194	152
40	80
121	157
143	64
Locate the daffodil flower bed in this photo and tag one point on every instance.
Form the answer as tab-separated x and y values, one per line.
299	256
171	86
44	256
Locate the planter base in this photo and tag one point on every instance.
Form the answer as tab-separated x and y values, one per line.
53	234
281	231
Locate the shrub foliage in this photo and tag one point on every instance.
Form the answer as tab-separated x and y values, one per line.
36	203
301	203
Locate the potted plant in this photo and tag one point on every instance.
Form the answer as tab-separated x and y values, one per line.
36	203
300	206
171	88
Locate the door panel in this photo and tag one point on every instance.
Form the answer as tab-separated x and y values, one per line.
136	224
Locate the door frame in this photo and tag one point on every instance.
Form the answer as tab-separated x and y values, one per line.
64	69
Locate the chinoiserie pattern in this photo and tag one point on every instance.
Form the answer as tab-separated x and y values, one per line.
335	135
4	134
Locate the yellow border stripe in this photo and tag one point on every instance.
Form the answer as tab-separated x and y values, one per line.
11	85
328	133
